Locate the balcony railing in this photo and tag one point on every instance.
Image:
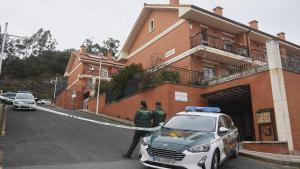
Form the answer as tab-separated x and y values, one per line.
218	43
181	76
290	62
248	66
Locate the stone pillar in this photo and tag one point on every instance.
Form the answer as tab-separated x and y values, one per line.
279	94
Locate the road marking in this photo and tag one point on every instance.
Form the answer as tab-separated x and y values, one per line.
85	119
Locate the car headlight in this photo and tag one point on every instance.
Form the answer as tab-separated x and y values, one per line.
145	141
199	148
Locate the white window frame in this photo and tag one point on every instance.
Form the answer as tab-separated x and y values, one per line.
151	25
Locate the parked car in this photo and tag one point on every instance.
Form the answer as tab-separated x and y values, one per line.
9	95
200	137
24	101
24	91
44	101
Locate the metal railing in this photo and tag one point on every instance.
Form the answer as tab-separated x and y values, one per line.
182	76
155	77
290	62
248	66
202	38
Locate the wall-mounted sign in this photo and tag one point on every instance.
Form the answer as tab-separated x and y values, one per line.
181	96
263	118
170	53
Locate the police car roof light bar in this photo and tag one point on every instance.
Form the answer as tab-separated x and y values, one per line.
202	109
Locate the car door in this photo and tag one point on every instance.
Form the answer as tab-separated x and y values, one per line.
224	136
232	136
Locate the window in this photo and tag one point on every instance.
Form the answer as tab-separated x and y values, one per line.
193	123
209	71
221	123
204	36
151	25
228	46
228	122
104	72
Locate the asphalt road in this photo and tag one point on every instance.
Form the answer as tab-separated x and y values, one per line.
41	140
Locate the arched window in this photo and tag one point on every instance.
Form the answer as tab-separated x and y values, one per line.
151	25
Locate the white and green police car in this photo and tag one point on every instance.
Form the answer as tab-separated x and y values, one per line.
199	138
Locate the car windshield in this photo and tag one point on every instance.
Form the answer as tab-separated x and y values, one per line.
192	122
26	96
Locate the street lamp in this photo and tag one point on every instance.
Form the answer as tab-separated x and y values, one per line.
98	91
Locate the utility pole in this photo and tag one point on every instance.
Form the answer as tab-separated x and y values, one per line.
3	46
98	91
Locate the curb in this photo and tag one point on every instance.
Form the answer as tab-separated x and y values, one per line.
269	159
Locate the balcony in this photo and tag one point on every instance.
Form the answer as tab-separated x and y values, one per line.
258	62
220	44
290	62
88	73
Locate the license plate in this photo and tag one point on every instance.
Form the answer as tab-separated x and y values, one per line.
163	160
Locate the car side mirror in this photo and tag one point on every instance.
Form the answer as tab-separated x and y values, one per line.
36	99
161	124
13	98
223	130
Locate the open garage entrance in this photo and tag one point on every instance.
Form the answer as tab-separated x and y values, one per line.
236	103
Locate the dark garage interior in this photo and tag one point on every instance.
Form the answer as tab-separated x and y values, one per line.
236	103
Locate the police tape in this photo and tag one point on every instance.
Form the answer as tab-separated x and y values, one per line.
81	118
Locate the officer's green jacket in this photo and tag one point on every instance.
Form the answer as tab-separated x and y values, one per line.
158	115
142	118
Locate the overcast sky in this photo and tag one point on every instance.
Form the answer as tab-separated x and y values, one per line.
72	21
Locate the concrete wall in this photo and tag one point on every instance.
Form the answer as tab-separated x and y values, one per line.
292	85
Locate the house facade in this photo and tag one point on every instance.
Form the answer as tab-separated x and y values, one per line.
82	75
251	75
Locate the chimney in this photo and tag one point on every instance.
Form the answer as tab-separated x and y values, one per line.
218	10
281	35
254	24
109	55
82	49
174	2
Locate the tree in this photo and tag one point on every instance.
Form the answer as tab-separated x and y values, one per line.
110	45
93	48
107	45
32	46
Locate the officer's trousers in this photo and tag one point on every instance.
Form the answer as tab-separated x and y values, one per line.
135	141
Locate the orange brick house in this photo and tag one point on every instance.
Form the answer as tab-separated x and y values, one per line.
251	75
82	74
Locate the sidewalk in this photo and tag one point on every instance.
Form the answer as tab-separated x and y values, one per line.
105	116
286	160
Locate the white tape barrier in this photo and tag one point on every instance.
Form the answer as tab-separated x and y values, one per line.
83	119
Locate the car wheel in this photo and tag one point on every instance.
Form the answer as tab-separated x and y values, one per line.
215	160
236	150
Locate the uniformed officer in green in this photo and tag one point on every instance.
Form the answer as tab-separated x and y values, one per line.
158	115
142	118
